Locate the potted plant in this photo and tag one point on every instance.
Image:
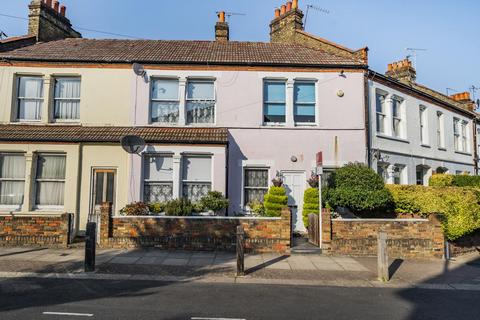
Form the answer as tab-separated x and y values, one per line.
278	180
214	202
313	180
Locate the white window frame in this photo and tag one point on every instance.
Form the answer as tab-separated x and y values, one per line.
18	98
440	130
424	137
401	169
383	114
244	187
214	100
264	102
8	207
185	181
147	181
399	117
152	100
315	104
54	99
36	180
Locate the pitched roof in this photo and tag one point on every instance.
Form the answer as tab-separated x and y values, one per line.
178	52
16	42
70	133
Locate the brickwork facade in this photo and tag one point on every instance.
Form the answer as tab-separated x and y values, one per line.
51	231
196	233
467	244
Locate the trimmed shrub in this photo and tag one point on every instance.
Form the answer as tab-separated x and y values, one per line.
449	180
459	207
179	207
135	209
441	180
214	201
156	207
464	180
310	204
257	208
274	201
358	188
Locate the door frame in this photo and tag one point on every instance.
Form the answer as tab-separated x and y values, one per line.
304	173
92	190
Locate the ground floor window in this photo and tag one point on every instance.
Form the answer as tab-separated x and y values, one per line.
50	180
382	171
158	178
255	184
12	179
422	175
196	176
398	174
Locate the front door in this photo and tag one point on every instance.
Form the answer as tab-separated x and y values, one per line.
103	188
294	183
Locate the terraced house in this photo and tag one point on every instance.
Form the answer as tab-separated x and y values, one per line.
215	115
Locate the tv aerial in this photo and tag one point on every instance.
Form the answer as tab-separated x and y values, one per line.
229	14
413	53
311	6
133	144
3	35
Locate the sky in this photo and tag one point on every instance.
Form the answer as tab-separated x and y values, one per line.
448	30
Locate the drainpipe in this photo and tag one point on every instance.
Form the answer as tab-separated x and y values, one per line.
227	160
367	119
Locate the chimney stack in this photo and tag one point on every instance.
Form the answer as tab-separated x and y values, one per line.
402	70
287	19
464	98
222	30
47	21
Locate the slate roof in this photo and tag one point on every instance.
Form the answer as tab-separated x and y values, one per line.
70	133
177	52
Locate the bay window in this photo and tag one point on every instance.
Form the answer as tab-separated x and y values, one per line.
274	104
67	99
164	104
12	179
29	98
196	176
200	102
399	174
158	178
381	113
50	180
304	102
255	184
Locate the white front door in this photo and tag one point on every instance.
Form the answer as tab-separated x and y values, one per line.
294	183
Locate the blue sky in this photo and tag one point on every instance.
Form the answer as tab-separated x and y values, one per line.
449	30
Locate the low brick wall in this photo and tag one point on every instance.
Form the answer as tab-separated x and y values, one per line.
467	244
196	233
407	238
39	230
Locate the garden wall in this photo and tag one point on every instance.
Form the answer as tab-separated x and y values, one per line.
464	245
39	230
195	233
407	238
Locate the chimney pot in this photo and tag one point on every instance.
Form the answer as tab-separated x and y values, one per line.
56	5
277	13
295	4
221	16
63	10
283	9
289	6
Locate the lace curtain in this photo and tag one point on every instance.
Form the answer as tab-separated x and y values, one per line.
164	105
12	175
67	99
50	184
165	111
196	191
200	102
256	184
158	178
157	192
30	98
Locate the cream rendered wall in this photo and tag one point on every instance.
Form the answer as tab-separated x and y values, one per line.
104	100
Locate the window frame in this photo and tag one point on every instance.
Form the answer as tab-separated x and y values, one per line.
184	181
399	117
265	102
24	180
424	136
383	114
152	100
19	98
153	181
214	100
401	174
36	206
55	99
295	103
440	130
245	187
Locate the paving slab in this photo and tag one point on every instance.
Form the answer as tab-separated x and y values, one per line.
200	261
283	265
175	261
124	260
148	260
327	266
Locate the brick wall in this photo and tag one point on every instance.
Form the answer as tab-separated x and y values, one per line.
407	238
467	244
196	233
52	231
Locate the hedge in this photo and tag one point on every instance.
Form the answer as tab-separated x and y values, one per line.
310	204
449	180
274	201
458	207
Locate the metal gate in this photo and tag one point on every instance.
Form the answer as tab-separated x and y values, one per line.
313	232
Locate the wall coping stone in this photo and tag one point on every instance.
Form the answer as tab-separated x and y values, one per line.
381	220
29	215
197	217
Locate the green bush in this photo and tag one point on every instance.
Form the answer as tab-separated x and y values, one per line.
441	180
179	207
214	201
310	203
156	207
274	201
358	188
257	207
135	209
459	207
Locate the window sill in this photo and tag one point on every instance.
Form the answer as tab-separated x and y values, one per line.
383	136
425	145
464	153
48	209
442	149
28	121
274	124
306	124
73	122
8	209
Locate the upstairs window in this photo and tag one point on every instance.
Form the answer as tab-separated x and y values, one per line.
440	130
164	105
29	98
304	102
274	104
423	125
460	133
12	179
196	176
200	101
67	99
397	121
158	178
50	180
381	112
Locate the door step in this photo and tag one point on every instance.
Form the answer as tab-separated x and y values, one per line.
306	250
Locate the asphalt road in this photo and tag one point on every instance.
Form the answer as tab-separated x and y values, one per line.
107	299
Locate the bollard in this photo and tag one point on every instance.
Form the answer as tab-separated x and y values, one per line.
240	251
90	243
382	256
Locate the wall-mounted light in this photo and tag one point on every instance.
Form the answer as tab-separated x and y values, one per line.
340	93
293	159
342	74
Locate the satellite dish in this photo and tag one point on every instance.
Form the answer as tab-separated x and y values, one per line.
478	103
133	144
139	69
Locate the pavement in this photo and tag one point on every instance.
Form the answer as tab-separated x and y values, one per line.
219	267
